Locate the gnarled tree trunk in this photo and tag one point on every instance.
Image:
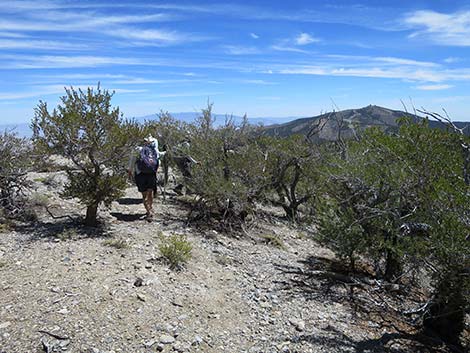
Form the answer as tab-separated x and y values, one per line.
91	215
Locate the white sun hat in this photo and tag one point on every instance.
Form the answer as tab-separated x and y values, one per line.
149	138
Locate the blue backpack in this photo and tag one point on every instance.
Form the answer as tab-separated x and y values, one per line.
148	160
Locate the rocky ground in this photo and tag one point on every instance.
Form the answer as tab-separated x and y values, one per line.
64	288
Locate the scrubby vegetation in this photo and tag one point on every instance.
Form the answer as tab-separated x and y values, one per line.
116	243
87	130
175	249
273	240
396	201
15	161
399	201
402	200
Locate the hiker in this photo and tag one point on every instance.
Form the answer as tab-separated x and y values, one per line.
143	166
183	162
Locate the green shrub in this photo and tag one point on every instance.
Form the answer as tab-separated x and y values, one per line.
223	260
273	240
40	180
89	132
291	164
37	199
175	249
15	162
394	198
67	234
116	243
230	174
4	228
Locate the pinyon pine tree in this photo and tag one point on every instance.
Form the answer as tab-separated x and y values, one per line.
87	130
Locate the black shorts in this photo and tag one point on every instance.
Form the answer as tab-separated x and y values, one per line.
146	181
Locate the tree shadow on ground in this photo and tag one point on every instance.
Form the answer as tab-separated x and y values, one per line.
322	279
129	201
66	229
388	342
125	217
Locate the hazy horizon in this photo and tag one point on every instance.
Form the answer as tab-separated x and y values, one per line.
264	59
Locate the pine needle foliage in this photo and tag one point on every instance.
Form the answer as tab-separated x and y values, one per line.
87	130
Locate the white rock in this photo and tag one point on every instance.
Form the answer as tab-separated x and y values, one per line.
166	339
197	340
150	343
297	323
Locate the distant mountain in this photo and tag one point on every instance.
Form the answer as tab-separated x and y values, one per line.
21	129
190	117
347	123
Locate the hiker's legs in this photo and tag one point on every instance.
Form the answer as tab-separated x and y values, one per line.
147	197
146	183
150	201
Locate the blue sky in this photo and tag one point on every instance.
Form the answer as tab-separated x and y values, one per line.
263	58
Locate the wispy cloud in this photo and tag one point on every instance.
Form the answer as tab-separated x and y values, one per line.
126	90
433	87
12	35
37	91
88	19
451	29
375	72
14	6
40	44
292	44
408	62
383	60
23	95
369	17
371	66
83	76
305	38
149	35
241	50
325	65
452	60
110	79
48	90
188	94
51	62
288	49
259	82
94	22
372	69
145	81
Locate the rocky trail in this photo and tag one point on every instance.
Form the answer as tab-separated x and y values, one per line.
68	289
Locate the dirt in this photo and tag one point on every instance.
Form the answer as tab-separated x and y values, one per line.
64	288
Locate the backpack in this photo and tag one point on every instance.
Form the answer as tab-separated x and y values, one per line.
148	160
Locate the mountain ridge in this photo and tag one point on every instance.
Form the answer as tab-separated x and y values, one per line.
347	123
350	120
